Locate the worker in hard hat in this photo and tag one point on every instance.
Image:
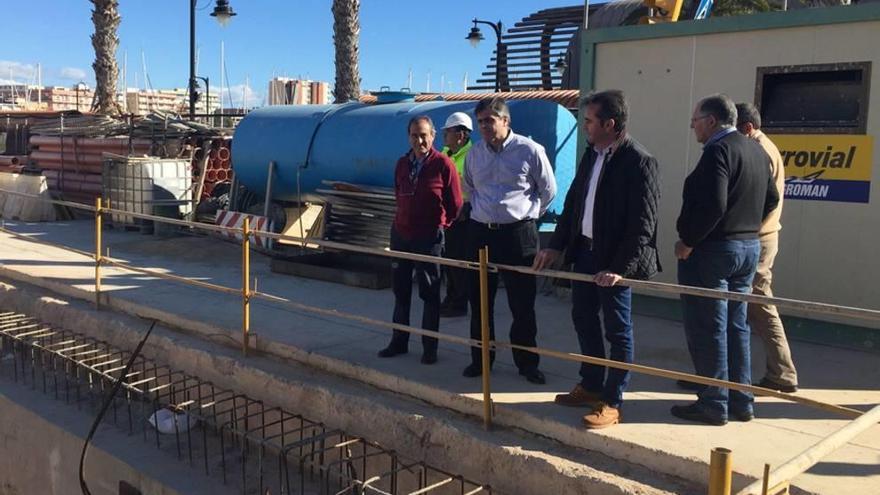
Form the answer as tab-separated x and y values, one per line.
456	144
428	196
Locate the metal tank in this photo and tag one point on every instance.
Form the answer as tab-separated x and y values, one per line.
361	143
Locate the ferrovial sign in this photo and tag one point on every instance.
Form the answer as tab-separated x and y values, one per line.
826	167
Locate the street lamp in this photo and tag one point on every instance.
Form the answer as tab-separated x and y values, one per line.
223	12
475	36
561	65
79	86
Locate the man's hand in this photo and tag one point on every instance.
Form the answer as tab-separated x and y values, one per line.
546	258
606	278
682	250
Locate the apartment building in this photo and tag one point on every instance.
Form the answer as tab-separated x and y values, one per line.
286	91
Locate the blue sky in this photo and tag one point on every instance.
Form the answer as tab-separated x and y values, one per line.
268	37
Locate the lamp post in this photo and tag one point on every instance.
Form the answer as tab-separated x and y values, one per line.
475	36
79	86
223	12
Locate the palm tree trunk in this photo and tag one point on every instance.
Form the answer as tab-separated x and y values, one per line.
346	30
105	16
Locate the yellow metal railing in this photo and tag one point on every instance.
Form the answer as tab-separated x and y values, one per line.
720	475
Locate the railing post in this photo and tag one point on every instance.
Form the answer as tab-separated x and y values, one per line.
720	471
245	285
98	227
484	335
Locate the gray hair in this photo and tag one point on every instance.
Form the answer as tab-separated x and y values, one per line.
746	112
420	118
496	105
721	107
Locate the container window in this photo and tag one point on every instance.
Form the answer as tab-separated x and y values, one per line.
814	99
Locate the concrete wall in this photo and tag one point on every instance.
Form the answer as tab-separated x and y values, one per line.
827	249
41	445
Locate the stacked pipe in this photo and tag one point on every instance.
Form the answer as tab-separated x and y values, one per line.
73	165
219	166
12	163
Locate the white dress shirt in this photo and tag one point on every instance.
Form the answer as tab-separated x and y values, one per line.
513	184
590	202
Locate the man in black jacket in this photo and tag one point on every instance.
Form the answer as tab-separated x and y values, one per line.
608	228
726	198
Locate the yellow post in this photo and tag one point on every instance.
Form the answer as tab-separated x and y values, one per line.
98	226
245	284
720	471
484	335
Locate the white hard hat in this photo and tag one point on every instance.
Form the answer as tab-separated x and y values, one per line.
457	119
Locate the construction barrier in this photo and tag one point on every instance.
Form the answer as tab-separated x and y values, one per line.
774	481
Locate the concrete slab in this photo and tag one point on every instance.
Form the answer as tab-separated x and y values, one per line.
648	436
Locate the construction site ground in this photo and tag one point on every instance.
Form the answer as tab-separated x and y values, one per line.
648	436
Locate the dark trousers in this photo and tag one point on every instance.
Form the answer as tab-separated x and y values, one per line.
616	306
456	278
428	277
511	245
717	330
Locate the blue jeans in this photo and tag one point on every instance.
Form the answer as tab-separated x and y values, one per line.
616	305
717	330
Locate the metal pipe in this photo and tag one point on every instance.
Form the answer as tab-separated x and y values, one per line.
192	59
268	200
245	284
815	453
720	471
484	336
98	227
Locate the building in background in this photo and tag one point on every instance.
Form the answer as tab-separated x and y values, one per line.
144	101
80	96
286	91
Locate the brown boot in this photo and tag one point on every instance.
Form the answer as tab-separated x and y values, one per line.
578	397
602	417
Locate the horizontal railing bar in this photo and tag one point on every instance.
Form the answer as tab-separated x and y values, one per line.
660	287
815	453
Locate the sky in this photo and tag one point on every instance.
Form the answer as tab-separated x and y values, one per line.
292	38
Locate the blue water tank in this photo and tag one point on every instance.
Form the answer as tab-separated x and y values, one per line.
361	143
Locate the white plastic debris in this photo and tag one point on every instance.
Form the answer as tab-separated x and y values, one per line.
164	420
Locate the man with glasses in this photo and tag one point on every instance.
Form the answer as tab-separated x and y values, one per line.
428	194
511	184
726	198
457	143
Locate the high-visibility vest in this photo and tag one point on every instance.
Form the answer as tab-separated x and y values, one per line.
458	159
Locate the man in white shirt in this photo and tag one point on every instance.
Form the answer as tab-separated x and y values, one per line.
511	184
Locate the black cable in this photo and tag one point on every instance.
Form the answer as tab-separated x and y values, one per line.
107	401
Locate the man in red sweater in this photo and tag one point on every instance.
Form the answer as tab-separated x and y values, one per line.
428	193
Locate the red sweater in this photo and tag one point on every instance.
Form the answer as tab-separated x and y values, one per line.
429	202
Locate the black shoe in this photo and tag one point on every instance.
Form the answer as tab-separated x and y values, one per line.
429	357
453	311
772	385
744	416
534	376
472	371
696	413
391	351
695	387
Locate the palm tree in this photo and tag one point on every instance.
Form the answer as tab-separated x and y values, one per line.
739	7
105	16
346	30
